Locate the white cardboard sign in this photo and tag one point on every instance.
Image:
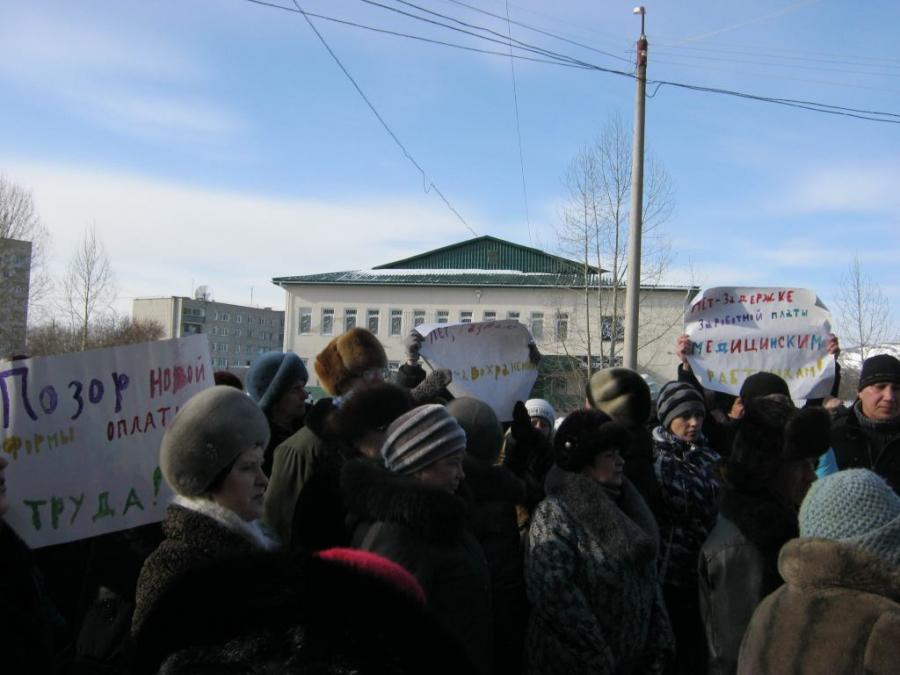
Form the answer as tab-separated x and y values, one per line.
738	331
81	433
489	360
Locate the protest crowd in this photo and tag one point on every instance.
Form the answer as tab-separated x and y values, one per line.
394	528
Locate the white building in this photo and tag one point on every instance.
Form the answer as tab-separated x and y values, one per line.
237	334
480	280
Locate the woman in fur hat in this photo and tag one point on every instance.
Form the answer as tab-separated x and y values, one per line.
405	508
211	456
684	466
838	611
764	480
590	566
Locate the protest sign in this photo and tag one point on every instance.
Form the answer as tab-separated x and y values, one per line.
736	332
81	433
489	360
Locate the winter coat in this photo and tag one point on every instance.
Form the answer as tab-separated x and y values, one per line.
853	448
837	613
194	539
26	628
590	571
529	455
690	494
738	568
423	529
492	493
303	500
292	614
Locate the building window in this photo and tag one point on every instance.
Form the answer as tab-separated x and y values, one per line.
237	350
396	321
327	322
562	325
349	318
223	347
465	316
537	325
215	330
442	316
606	328
305	321
489	316
372	321
418	317
514	316
216	315
393	368
226	316
240	319
224	332
238	332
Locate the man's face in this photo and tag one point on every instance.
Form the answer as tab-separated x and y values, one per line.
880	401
292	404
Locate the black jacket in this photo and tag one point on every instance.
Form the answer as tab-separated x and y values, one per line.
853	449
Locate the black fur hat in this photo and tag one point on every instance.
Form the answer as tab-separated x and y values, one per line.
371	407
772	432
583	435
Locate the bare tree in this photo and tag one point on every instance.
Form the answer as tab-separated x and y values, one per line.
112	330
865	311
89	284
593	228
19	220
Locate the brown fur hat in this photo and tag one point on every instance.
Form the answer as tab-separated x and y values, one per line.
347	356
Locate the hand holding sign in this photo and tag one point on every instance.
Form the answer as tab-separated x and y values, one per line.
490	361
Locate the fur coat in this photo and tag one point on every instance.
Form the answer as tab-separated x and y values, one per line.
837	613
423	529
197	533
292	614
590	572
738	568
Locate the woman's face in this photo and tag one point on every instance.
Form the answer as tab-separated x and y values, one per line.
4	502
542	425
446	473
608	468
687	427
244	487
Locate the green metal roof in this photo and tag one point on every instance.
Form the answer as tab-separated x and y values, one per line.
381	277
489	253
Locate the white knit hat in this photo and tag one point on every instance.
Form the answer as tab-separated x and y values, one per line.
854	507
420	438
538	407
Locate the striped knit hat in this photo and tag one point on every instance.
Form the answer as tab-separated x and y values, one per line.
854	507
677	399
420	438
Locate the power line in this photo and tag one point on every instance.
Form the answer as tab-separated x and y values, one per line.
791	55
868	115
512	68
427	182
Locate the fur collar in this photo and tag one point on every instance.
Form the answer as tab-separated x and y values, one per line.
251	531
761	518
626	527
822	563
372	493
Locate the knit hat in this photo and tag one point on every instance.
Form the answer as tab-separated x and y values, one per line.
538	407
347	356
484	435
854	507
272	375
378	567
762	384
206	436
622	394
878	369
420	438
677	399
583	435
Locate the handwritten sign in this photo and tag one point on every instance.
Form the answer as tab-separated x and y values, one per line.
489	360
736	332
81	433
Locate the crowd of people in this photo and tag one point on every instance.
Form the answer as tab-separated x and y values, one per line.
392	528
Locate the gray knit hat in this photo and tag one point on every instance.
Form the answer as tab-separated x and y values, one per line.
854	507
420	438
273	374
484	435
677	399
538	407
206	436
622	394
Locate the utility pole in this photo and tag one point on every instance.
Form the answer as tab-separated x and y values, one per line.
633	282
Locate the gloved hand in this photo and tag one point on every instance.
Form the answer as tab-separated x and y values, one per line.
521	428
533	354
413	344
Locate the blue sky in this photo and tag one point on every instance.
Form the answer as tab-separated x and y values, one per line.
216	142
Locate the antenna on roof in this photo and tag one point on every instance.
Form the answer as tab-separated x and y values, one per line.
203	293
